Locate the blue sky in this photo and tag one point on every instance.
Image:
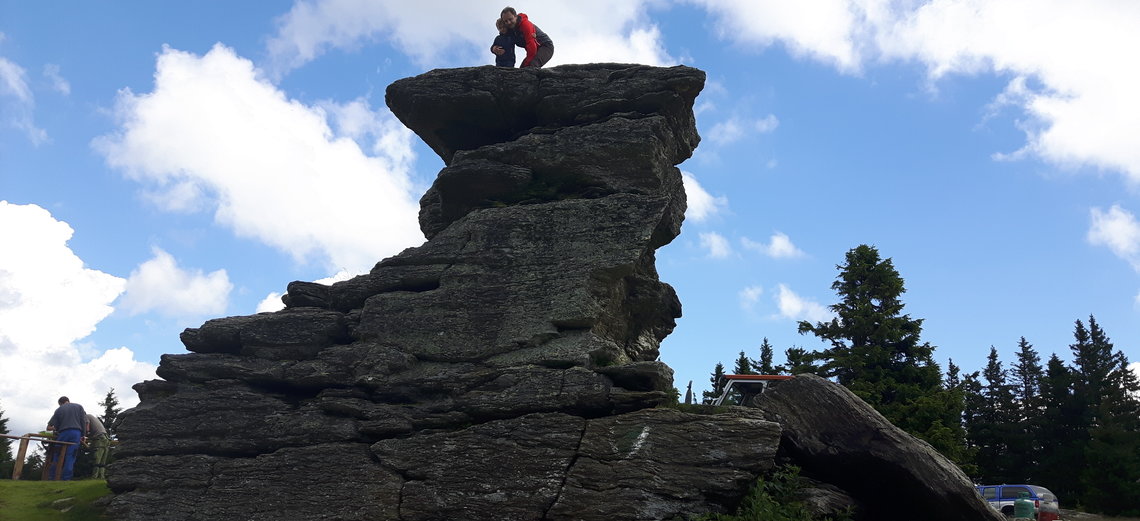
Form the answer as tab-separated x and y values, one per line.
164	163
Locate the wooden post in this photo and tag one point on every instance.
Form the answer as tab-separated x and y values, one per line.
21	454
58	449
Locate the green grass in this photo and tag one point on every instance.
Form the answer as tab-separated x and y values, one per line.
31	500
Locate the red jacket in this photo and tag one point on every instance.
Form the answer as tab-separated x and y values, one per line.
526	28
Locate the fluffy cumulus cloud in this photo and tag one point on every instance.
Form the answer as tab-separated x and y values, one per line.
779	246
1080	106
214	134
795	307
50	302
1119	230
460	33
702	204
160	285
716	245
827	30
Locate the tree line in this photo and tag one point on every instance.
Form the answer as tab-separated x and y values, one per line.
1073	428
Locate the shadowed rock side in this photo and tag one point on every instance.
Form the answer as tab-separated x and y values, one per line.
505	369
837	437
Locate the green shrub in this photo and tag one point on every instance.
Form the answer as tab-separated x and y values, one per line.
773	498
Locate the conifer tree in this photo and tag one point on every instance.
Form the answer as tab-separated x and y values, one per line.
995	424
764	364
1107	391
1092	363
1025	381
6	460
111	411
876	350
953	376
1059	429
716	382
973	403
798	361
743	365
1026	374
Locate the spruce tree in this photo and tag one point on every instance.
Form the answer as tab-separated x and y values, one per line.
111	411
716	382
953	376
743	365
764	364
876	350
797	360
1024	447
6	460
1092	363
1026	374
1059	428
1107	389
995	425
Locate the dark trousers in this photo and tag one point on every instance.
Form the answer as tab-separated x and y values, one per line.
543	55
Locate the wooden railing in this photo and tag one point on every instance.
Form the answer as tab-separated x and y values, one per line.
54	455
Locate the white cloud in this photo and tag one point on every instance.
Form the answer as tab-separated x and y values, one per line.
13	80
726	132
1083	110
272	301
49	301
716	244
160	285
1119	230
460	33
749	296
735	128
779	246
215	134
822	29
795	307
18	112
51	72
766	124
702	205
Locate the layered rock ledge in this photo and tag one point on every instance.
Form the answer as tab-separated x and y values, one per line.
505	369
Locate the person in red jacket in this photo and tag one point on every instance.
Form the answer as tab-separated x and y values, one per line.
539	46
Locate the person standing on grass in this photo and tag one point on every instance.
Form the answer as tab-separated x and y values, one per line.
539	46
69	423
97	434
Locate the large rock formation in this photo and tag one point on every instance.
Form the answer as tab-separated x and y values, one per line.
506	369
837	437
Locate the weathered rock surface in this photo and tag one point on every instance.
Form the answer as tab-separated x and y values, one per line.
505	369
840	439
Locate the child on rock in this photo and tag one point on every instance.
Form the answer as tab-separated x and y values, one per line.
506	42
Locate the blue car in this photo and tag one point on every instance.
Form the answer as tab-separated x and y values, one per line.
1001	497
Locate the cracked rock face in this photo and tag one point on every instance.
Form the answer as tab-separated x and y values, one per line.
505	369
